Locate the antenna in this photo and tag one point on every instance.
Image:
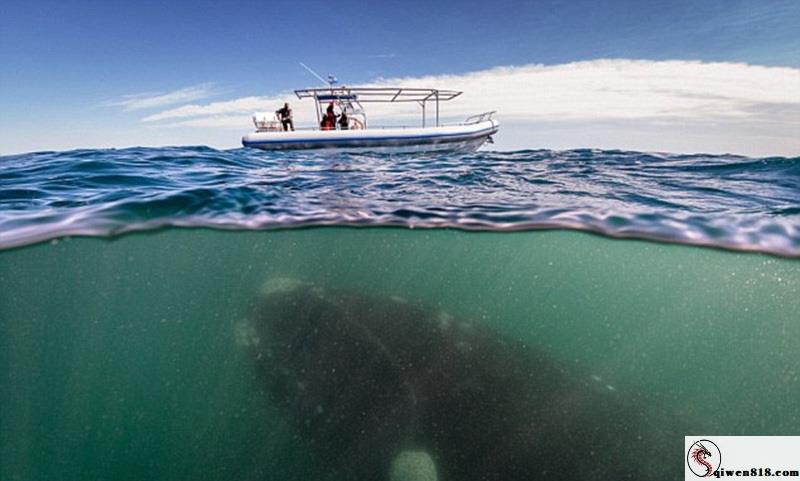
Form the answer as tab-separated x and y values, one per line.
331	79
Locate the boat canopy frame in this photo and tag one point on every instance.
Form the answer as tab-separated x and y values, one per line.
353	97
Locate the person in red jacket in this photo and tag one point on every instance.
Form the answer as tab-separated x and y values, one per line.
329	119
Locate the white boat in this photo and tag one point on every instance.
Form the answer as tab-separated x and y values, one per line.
359	136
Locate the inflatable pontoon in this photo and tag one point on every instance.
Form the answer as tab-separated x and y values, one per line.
358	136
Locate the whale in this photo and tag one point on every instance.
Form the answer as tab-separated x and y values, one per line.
380	388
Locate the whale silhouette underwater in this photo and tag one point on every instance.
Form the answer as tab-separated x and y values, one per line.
379	388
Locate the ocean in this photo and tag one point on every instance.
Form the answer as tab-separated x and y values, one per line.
613	293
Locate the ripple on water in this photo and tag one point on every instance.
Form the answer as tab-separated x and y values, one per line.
723	201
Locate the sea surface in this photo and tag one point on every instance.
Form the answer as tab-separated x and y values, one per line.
667	285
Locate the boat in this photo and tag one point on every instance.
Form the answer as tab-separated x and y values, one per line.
361	136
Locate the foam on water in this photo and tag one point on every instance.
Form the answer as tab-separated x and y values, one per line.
722	201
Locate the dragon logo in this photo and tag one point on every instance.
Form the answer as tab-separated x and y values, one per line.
703	458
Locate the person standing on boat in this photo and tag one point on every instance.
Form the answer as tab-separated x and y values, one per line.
329	119
343	125
285	116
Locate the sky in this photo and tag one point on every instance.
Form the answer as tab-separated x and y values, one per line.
710	76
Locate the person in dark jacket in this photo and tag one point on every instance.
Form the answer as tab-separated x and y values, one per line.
285	116
343	121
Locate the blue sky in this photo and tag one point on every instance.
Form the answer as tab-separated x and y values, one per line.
69	66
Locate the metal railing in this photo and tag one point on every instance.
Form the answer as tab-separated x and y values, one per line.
472	119
476	119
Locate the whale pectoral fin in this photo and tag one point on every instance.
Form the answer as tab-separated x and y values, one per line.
413	466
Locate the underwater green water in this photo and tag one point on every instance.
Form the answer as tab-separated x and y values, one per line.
118	357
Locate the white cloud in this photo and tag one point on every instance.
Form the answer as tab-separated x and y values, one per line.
674	105
234	122
158	100
614	89
621	90
240	105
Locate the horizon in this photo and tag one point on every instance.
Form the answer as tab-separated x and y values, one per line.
709	77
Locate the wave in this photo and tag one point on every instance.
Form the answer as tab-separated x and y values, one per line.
724	201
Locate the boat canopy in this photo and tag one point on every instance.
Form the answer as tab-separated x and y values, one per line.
350	98
377	94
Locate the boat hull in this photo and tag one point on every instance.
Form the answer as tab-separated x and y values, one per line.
455	138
